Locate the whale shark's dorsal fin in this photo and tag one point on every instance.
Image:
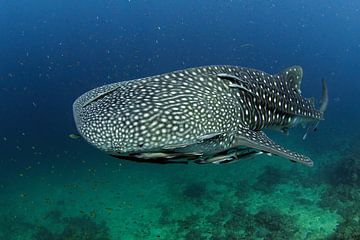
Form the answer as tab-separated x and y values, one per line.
292	75
312	101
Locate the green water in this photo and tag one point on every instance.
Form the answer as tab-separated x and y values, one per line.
265	198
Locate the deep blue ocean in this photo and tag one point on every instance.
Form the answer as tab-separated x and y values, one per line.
56	187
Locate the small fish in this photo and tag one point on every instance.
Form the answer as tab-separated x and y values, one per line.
93	214
209	114
109	210
247	45
23	195
74	136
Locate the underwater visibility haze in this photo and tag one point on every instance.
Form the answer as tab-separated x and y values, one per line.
235	86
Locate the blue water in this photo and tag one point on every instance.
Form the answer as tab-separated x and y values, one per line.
53	51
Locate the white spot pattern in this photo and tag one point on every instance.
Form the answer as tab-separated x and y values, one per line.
180	106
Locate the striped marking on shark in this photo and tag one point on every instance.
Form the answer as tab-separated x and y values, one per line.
210	114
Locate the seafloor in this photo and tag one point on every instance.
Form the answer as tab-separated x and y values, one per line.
95	197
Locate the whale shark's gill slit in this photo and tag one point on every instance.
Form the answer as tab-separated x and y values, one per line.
231	78
100	96
236	82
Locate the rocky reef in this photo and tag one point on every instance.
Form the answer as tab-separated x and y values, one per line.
75	228
57	227
343	195
269	178
233	221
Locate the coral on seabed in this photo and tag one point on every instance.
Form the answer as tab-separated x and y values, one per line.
344	184
243	189
195	190
276	223
346	171
57	227
233	221
14	227
349	229
343	195
269	178
75	228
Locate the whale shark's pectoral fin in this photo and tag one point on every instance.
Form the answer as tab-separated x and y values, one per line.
258	140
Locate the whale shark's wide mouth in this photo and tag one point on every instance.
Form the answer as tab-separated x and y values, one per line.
85	100
81	117
94	122
77	113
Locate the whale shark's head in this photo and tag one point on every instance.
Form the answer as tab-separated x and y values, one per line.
96	116
140	115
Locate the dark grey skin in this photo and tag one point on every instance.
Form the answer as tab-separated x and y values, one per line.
210	114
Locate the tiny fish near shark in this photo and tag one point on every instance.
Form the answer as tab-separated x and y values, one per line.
210	114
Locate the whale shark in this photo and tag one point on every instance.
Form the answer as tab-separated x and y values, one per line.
209	114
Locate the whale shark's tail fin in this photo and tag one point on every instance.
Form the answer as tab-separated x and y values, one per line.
324	98
324	103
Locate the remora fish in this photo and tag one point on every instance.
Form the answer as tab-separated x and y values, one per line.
210	114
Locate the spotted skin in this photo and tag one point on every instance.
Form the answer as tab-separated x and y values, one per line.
209	114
